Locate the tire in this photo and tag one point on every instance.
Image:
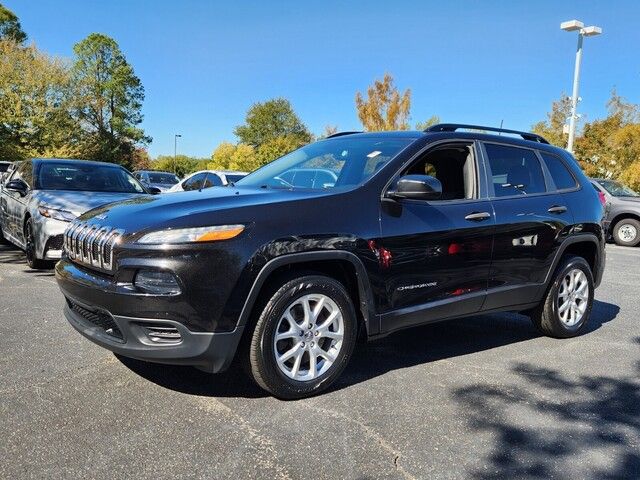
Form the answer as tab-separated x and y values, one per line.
627	232
548	317
30	248
306	337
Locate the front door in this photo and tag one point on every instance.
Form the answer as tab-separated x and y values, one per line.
435	255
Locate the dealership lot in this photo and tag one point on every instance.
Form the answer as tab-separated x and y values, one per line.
480	397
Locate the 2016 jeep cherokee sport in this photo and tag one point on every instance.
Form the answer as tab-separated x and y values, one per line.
375	232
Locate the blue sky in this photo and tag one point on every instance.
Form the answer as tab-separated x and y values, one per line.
203	63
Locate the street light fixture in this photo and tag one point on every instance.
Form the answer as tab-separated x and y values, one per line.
175	150
572	26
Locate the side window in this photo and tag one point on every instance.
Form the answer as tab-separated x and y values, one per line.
213	180
559	172
194	182
514	171
454	166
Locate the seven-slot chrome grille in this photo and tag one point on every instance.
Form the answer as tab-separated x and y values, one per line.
91	245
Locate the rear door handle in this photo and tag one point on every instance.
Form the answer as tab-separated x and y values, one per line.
557	209
478	216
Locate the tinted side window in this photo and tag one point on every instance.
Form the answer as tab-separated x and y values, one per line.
194	183
559	172
514	171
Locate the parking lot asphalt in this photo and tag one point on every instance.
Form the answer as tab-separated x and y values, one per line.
482	397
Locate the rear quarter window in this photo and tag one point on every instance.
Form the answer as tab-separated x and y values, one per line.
560	174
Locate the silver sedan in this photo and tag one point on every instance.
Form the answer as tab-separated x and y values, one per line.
42	196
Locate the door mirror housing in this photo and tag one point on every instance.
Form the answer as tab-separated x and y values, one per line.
17	185
417	187
153	190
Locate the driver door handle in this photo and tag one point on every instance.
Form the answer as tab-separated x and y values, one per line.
478	216
557	209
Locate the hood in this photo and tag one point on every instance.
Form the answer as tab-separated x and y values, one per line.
80	202
194	208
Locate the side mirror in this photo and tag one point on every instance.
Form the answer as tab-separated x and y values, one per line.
417	187
154	190
17	186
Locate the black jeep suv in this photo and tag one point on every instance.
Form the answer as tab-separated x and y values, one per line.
411	228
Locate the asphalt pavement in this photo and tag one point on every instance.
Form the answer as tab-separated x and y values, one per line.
483	397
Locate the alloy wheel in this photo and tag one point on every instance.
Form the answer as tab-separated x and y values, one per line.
573	297
309	337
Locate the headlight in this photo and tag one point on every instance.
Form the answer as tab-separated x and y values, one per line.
56	213
191	235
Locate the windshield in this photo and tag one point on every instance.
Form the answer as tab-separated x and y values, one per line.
86	177
617	189
328	163
162	178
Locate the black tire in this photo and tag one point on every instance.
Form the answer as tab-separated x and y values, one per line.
30	248
262	363
546	316
624	240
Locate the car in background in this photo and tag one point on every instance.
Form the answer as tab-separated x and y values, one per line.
163	181
206	179
42	196
308	178
622	207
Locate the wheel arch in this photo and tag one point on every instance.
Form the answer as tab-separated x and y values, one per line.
344	266
585	245
622	215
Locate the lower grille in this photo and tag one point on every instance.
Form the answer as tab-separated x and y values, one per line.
54	243
99	319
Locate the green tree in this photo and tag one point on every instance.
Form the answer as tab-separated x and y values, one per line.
271	119
109	100
429	122
35	92
10	28
384	108
552	127
181	165
276	148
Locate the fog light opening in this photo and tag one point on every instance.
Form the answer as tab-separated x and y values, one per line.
156	282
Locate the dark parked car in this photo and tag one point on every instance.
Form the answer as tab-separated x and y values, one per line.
418	227
622	204
162	181
42	196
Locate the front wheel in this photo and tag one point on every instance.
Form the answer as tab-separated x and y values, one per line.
303	338
30	248
627	232
566	308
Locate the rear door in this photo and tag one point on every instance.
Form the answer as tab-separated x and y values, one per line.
14	205
531	218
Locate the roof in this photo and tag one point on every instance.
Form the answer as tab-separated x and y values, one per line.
71	160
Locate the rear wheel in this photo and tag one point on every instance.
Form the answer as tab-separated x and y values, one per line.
566	308
303	338
30	248
627	232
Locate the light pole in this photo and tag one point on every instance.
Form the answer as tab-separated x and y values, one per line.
570	26
175	150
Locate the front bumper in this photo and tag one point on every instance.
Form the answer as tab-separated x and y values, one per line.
48	232
87	311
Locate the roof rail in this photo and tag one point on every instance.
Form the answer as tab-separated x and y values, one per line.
340	134
452	127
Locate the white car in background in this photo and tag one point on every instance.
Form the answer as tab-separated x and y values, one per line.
205	179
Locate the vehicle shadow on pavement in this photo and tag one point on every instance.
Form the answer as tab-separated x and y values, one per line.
450	339
556	426
407	348
232	383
